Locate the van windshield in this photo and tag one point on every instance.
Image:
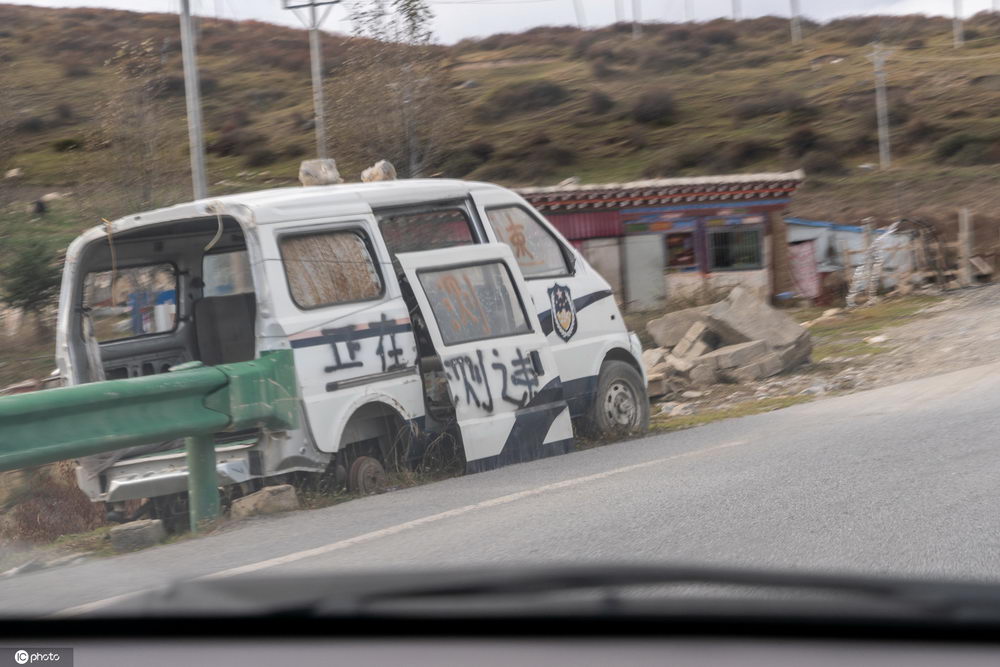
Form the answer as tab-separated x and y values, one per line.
425	230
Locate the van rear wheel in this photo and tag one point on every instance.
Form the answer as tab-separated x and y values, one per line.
366	476
620	406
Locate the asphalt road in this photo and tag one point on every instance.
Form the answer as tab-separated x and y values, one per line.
899	480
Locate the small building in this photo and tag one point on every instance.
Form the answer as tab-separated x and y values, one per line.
702	235
829	247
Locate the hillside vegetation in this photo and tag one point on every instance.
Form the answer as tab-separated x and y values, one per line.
530	108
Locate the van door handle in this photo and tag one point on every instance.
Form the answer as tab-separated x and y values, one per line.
536	362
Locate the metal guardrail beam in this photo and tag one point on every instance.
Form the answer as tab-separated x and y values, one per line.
192	402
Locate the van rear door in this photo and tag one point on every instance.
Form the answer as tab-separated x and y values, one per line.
502	377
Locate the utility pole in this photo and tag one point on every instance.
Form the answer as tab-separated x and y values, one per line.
636	19
192	95
688	12
313	22
957	31
619	11
581	18
878	58
796	22
737	10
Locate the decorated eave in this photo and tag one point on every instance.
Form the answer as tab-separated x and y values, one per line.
664	192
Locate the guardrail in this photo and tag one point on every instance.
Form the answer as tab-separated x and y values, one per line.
192	401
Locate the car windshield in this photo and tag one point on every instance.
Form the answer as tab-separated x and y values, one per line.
473	286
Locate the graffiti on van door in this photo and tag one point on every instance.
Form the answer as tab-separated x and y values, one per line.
480	377
374	347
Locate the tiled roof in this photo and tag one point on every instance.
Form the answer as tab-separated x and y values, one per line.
664	192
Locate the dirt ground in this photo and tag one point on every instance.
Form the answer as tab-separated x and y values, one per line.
887	343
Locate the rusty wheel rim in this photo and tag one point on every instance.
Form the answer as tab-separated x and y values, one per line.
620	405
367	476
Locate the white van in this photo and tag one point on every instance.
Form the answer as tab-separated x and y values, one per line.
415	310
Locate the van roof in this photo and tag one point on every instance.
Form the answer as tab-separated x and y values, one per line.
302	203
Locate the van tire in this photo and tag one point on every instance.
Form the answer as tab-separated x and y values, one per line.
621	406
366	476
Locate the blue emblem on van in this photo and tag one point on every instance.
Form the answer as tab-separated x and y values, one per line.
563	311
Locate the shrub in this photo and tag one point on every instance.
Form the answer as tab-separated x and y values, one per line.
802	140
599	102
64	112
261	157
68	144
235	142
966	148
601	70
32	124
76	70
743	153
481	150
655	107
920	131
719	36
523	96
663	61
295	150
822	162
915	44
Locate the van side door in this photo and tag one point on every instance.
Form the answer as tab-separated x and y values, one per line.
502	377
575	305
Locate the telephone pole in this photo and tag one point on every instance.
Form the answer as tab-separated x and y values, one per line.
313	21
796	22
688	12
192	96
636	19
619	11
737	10
878	58
957	31
581	18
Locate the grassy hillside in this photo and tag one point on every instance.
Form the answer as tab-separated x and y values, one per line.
547	104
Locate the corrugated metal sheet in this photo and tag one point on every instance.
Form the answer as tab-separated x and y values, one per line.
593	225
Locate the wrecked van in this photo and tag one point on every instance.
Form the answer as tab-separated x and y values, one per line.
416	311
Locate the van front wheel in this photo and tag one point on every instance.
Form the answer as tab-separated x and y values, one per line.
620	406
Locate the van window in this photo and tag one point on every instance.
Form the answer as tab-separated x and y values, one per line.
427	230
330	267
130	302
474	302
537	252
227	273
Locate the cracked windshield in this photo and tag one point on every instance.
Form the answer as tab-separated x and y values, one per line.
403	286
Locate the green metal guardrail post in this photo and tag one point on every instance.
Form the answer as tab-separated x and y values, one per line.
203	482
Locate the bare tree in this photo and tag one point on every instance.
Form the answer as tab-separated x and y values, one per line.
132	123
392	99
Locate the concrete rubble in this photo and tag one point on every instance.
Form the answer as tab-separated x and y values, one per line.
740	339
269	500
137	535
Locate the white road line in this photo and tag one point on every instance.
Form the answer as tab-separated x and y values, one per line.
409	525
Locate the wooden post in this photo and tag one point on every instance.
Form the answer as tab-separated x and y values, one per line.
965	247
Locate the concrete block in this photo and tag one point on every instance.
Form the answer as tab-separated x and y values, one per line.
656	385
668	330
742	317
697	341
653	358
678	364
733	356
795	354
137	535
702	375
269	500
